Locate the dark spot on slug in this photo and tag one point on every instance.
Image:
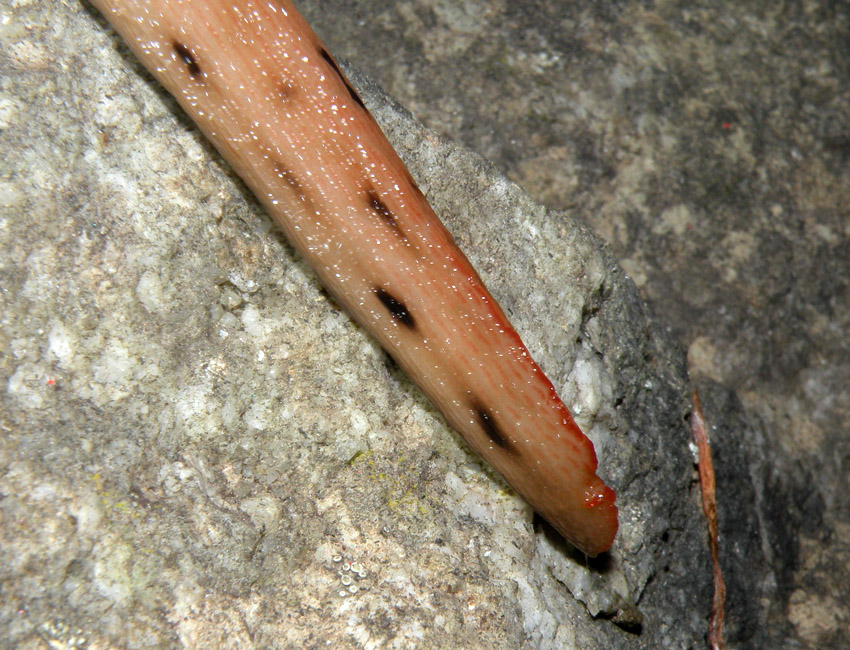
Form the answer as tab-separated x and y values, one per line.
286	91
188	58
397	309
380	208
327	57
492	429
292	181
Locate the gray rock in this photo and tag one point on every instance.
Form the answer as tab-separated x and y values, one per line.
708	145
193	433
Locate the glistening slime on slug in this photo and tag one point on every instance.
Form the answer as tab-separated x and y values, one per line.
262	87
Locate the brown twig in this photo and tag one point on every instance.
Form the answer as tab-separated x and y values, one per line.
709	506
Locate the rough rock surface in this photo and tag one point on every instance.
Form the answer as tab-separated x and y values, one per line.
707	144
192	432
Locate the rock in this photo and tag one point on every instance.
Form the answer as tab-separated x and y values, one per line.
198	446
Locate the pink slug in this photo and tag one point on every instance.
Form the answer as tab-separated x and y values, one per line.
262	87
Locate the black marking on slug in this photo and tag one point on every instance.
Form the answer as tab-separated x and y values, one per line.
327	57
377	205
188	58
286	91
398	310
492	429
292	181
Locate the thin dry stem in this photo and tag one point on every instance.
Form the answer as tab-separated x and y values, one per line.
709	506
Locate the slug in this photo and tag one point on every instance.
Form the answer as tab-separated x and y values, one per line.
262	87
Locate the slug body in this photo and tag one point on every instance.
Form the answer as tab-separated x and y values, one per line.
266	92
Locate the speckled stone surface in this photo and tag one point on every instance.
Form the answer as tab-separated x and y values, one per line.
707	143
196	441
199	447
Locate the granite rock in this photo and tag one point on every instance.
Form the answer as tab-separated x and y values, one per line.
199	448
197	444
